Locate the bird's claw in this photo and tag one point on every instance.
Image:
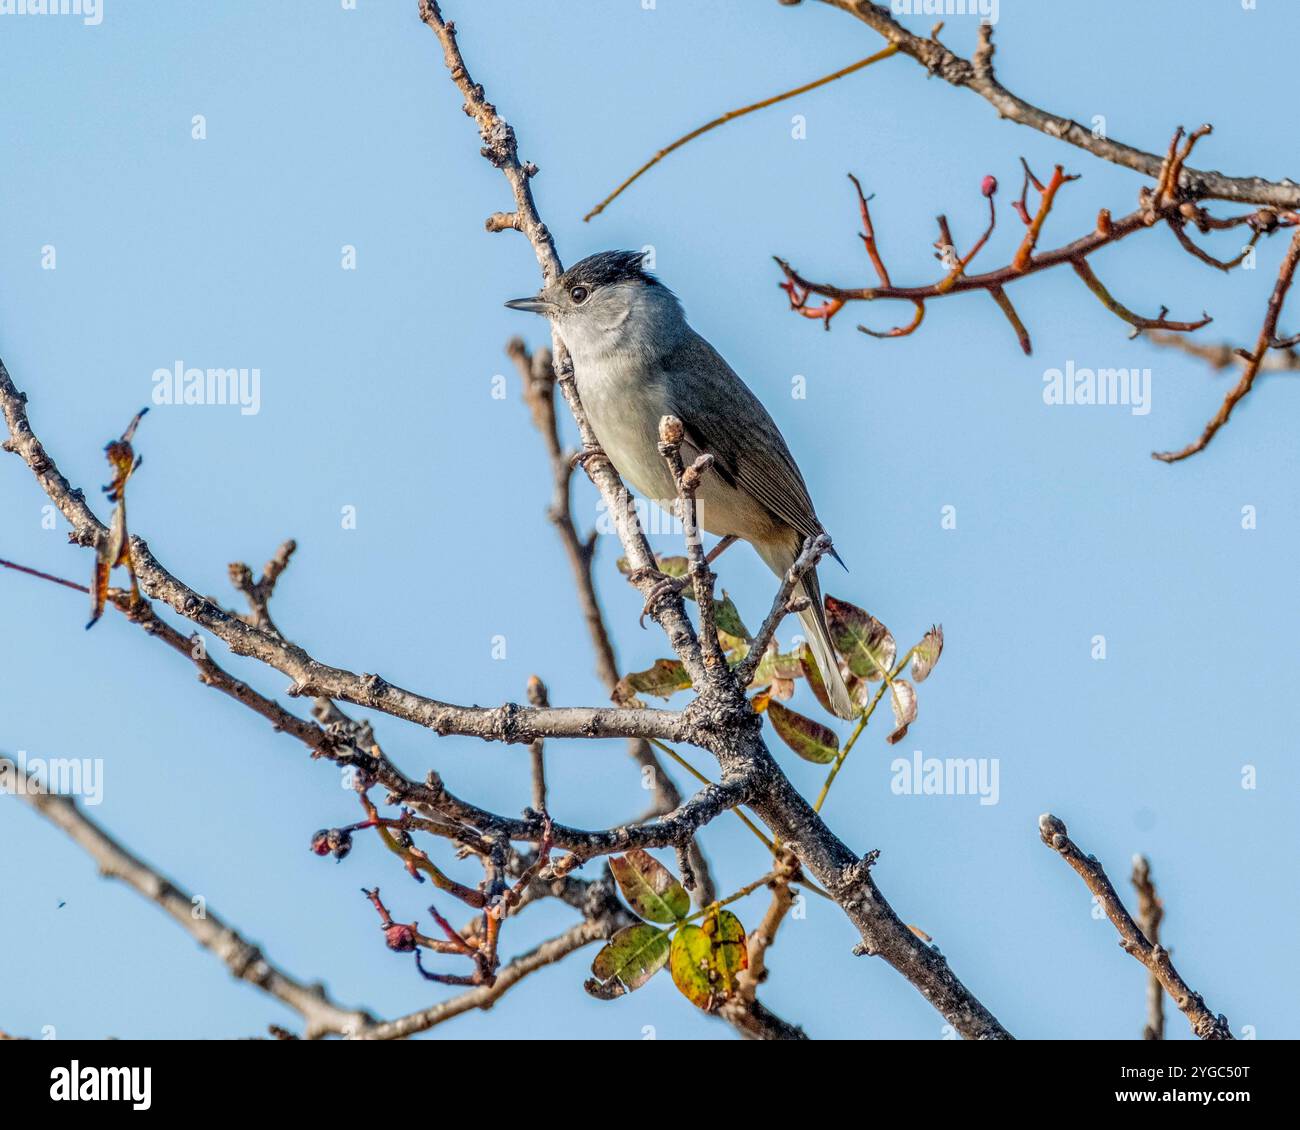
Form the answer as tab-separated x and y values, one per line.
581	458
665	587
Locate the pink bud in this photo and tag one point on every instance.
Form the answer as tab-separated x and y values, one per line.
990	185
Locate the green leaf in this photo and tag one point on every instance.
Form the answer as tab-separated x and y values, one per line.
649	887
673	566
628	961
927	653
728	618
810	740
664	679
726	615
736	647
902	697
774	666
706	959
813	674
668	566
862	639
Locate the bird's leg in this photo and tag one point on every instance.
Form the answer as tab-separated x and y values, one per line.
669	586
666	585
588	453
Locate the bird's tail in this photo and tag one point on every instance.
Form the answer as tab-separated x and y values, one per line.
813	619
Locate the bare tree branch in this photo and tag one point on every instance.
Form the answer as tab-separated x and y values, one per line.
1150	912
813	551
537	372
323	1017
259	592
484	996
603	915
335	743
1268	339
1164	203
721	719
1224	355
501	150
741	1009
732	115
508	723
537	695
976	74
246	962
603	912
1150	953
1173	201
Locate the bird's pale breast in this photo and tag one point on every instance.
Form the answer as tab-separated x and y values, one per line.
624	406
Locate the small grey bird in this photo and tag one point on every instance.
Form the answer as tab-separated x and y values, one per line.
635	360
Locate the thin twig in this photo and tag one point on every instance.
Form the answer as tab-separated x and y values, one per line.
731	115
1224	355
537	372
1161	203
1150	912
246	962
977	74
720	719
537	696
814	549
688	481
1267	340
724	719
1155	957
259	592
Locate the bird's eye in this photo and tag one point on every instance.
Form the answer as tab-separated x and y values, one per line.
579	295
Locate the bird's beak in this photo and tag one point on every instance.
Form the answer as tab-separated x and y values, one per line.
530	305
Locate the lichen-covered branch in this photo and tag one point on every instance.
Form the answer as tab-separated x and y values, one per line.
537	372
720	719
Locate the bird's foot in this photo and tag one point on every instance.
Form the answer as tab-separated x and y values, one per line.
664	587
586	455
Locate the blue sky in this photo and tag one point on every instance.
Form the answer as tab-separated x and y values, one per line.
329	127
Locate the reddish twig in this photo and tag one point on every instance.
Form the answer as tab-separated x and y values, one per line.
1268	339
1166	202
1047	197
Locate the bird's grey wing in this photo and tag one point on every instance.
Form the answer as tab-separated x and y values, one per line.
723	418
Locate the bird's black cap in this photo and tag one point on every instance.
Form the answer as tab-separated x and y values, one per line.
608	267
